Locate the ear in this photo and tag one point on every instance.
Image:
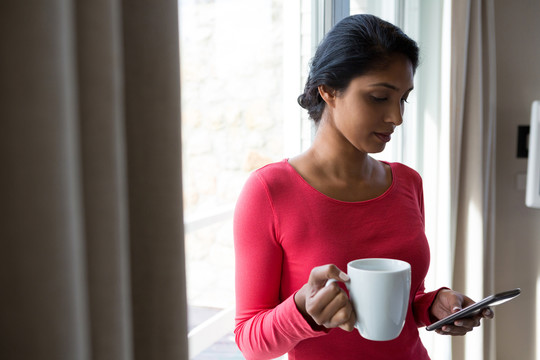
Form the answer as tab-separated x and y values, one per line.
328	94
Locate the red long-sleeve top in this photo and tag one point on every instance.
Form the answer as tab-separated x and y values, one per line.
283	228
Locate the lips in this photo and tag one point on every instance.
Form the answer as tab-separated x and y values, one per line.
384	137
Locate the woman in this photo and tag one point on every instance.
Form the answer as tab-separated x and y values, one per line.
300	221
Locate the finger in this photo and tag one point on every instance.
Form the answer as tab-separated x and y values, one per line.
455	302
349	324
319	275
342	318
488	313
453	330
330	282
467	301
468	323
317	304
474	321
338	311
460	326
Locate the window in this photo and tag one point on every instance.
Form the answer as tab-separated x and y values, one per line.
241	66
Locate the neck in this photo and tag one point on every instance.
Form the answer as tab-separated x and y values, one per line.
337	157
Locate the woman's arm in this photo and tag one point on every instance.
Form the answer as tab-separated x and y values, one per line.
267	326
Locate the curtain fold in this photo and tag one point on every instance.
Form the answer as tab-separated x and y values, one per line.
104	179
473	95
91	234
152	92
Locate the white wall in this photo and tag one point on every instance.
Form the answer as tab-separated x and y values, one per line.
518	227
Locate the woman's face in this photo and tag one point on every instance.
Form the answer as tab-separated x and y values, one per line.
370	108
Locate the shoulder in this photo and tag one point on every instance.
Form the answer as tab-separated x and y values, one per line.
274	174
264	190
408	183
404	172
267	177
273	168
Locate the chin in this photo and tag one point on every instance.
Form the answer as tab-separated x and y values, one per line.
377	150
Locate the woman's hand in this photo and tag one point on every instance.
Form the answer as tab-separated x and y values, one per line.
448	302
326	306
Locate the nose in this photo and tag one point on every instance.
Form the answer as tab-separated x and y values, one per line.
395	114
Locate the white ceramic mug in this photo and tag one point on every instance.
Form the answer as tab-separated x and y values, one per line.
379	290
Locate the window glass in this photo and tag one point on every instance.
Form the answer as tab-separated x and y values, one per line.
241	73
232	122
385	9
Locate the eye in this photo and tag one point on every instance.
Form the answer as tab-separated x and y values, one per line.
378	99
404	100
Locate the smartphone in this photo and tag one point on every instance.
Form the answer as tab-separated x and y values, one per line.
476	308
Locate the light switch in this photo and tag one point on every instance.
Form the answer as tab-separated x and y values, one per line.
523	141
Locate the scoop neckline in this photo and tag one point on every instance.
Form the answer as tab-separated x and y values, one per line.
313	189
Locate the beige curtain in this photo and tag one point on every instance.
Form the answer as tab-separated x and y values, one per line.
91	231
473	95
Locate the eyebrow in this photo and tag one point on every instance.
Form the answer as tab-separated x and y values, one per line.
389	86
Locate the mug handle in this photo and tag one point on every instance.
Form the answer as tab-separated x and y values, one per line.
330	281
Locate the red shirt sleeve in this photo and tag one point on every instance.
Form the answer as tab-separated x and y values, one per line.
422	304
266	325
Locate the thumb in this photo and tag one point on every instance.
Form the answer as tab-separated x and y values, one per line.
453	301
456	304
333	273
327	273
336	274
342	276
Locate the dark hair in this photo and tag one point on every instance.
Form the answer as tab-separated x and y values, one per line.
354	46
